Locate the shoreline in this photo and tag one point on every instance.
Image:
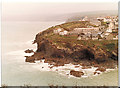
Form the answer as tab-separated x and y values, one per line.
65	70
43	65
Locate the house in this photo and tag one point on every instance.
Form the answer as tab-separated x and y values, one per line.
100	19
82	36
57	30
107	19
110	27
94	36
83	30
63	32
85	19
116	38
60	31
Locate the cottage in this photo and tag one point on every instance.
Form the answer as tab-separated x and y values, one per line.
84	30
94	36
87	36
63	32
110	27
107	19
60	31
57	30
82	36
85	19
104	19
100	19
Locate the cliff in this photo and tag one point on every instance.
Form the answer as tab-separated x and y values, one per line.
59	50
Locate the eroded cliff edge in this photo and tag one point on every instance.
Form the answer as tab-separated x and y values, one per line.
59	50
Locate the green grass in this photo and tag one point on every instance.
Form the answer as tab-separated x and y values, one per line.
68	26
61	41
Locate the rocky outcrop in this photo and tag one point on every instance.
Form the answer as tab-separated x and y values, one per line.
30	59
101	69
86	55
77	52
76	73
96	73
29	51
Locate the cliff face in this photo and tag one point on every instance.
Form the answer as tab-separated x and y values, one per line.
75	54
59	50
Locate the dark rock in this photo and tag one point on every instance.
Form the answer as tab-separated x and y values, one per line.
96	73
86	67
101	69
76	73
30	59
75	53
29	51
96	65
60	64
77	66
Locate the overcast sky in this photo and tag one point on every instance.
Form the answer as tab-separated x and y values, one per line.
23	10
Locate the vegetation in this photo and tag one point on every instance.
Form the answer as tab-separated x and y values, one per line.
110	46
70	47
69	26
63	41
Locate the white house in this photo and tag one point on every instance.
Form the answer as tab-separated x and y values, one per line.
116	38
111	26
63	32
104	19
57	30
85	19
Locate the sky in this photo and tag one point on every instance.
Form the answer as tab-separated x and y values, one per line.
33	9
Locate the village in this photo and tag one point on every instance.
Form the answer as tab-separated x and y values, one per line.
104	28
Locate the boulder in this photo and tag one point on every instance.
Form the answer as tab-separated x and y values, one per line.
101	69
77	66
29	51
86	67
76	73
96	73
30	59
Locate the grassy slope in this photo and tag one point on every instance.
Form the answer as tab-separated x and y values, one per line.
59	40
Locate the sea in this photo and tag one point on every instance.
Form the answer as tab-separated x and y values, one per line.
17	36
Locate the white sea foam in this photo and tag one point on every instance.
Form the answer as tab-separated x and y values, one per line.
65	70
31	45
62	70
21	52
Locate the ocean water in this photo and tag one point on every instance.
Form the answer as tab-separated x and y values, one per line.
17	37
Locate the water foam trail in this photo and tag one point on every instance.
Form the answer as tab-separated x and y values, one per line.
21	52
65	70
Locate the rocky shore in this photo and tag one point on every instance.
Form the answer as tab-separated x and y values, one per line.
60	50
54	59
86	56
70	70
